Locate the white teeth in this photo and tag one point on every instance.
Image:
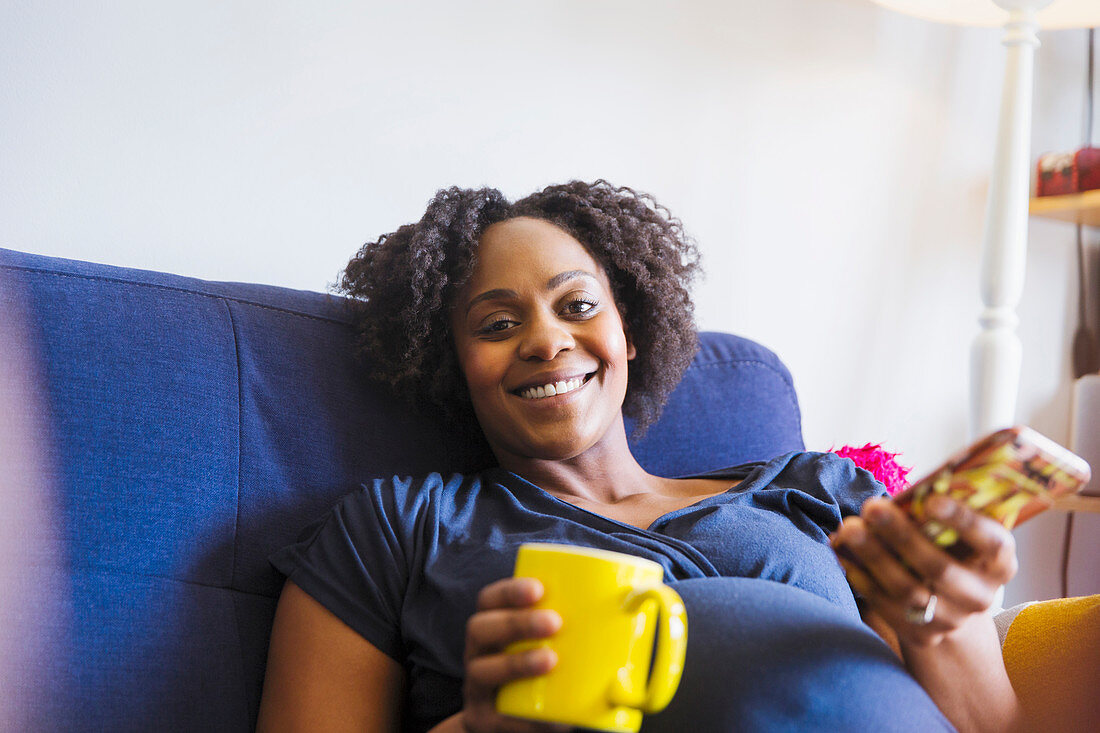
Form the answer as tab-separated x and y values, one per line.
549	390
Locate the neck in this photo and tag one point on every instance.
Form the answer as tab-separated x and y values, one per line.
605	473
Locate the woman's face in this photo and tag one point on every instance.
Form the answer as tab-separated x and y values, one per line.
541	343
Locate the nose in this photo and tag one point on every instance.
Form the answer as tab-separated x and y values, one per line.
544	338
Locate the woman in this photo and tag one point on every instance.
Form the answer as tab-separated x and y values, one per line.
541	323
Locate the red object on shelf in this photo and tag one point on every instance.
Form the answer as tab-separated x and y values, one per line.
1086	168
1056	175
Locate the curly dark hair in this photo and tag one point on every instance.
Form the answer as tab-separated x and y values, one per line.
403	285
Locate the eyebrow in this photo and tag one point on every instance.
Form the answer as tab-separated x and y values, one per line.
505	293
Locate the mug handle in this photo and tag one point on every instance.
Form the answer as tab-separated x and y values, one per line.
671	647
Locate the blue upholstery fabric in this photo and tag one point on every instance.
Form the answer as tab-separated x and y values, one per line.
198	426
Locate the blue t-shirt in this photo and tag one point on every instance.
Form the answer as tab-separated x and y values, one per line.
401	561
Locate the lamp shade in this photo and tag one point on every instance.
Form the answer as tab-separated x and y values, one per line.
994	13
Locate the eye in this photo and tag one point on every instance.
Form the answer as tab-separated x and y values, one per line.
499	324
579	306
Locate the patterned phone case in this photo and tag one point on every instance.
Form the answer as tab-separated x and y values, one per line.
1010	475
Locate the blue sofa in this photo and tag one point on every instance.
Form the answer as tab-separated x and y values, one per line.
194	427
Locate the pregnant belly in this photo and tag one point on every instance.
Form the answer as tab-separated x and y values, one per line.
763	656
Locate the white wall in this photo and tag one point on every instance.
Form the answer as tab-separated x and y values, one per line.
831	158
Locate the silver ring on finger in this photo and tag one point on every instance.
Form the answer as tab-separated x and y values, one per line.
922	615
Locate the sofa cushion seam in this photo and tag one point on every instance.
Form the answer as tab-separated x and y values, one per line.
188	291
199	584
736	362
245	698
240	437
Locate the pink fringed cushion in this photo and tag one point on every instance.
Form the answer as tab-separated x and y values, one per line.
880	462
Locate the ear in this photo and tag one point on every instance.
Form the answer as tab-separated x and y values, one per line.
631	352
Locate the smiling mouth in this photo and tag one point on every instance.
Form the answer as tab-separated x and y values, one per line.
554	388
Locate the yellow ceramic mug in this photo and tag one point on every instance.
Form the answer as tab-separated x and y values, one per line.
611	606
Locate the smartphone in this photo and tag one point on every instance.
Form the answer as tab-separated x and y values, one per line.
1010	475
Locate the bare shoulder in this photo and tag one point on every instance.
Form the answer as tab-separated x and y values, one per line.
323	676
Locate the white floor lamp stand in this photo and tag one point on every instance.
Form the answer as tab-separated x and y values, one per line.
996	354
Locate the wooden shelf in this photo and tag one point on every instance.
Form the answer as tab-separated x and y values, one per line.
1078	503
1077	208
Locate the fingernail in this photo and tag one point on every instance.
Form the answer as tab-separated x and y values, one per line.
939	507
541	659
532	588
879	516
547	622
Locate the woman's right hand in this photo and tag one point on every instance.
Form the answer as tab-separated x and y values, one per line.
504	616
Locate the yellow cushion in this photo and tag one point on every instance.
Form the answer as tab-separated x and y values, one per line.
1052	654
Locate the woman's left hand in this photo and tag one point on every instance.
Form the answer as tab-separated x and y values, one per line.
923	593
